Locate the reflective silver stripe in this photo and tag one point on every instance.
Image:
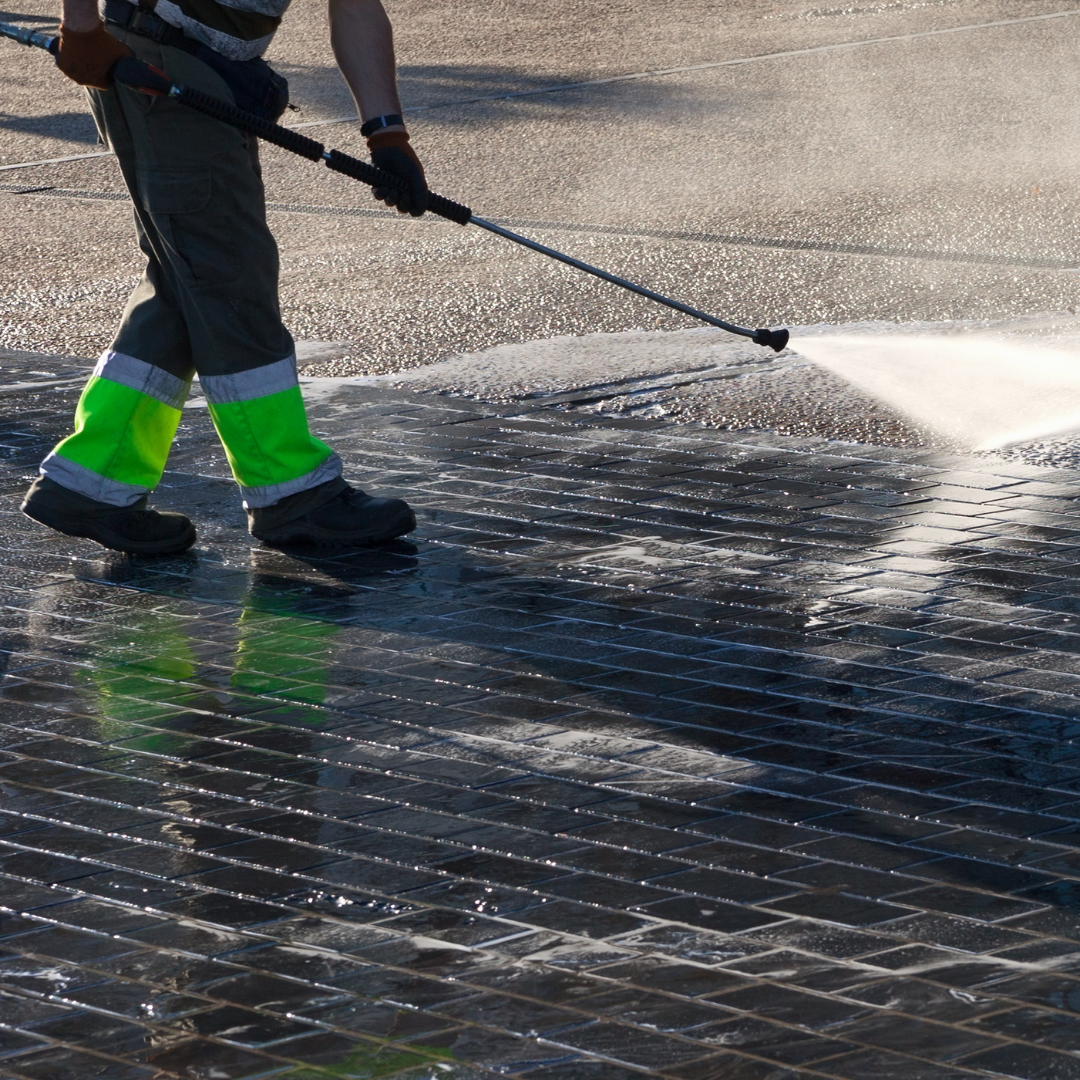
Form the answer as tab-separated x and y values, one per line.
274	8
247	385
233	47
89	483
144	377
256	497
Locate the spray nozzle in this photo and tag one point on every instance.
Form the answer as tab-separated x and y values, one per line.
774	339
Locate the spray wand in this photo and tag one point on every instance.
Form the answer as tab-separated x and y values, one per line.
148	80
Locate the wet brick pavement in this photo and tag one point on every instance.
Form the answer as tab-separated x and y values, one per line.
662	751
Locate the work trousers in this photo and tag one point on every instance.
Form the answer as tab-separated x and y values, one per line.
207	304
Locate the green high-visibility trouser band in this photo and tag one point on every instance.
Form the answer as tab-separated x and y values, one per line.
121	442
270	449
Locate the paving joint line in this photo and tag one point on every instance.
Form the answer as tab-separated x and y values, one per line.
911	871
856	758
751	978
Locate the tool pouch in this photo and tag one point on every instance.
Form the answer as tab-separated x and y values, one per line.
256	87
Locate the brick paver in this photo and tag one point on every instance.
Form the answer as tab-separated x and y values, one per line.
662	751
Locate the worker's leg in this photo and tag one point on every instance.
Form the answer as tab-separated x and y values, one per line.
129	411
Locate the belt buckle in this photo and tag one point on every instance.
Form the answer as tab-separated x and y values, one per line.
148	25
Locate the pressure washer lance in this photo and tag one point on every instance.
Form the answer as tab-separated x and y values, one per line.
139	76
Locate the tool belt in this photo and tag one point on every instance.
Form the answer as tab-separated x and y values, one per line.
255	86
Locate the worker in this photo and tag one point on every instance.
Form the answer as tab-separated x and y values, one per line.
207	303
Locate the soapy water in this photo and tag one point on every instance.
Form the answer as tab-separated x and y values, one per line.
1010	387
562	365
981	391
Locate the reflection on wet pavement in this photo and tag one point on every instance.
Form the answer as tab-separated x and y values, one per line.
661	751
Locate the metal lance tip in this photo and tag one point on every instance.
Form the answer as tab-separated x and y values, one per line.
775	339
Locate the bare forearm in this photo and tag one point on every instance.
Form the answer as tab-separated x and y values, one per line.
363	44
80	15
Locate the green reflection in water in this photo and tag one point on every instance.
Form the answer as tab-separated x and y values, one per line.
146	670
132	691
282	649
382	1061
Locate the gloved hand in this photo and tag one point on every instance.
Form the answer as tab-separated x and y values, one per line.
391	152
87	57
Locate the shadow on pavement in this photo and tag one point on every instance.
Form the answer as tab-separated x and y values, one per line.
319	89
72	126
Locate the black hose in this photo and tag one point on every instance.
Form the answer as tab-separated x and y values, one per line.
25	36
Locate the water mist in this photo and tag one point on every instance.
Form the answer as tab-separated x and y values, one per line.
981	390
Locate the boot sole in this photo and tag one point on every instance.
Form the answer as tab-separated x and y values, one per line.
107	538
286	536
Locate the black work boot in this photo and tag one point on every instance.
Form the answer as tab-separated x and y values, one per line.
332	514
132	529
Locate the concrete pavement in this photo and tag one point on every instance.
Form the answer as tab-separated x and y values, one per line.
660	749
656	752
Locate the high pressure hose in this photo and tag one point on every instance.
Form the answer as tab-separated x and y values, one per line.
139	76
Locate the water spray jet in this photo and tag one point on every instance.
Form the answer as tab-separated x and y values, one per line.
980	391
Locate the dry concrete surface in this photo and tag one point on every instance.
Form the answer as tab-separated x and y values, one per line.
772	162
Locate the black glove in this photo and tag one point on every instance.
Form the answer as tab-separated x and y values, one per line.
391	152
